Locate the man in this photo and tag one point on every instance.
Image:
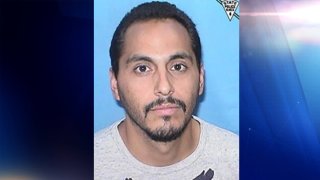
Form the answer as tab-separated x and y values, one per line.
157	75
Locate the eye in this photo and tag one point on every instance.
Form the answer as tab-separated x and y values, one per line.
179	67
142	69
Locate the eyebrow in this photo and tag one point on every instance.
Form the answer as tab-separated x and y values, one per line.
136	58
178	55
181	55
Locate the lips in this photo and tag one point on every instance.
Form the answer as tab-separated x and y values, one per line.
165	110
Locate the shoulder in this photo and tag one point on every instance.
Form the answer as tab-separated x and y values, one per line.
221	149
103	141
109	158
106	139
220	140
103	136
217	134
223	142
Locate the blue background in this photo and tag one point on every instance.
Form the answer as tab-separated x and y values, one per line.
220	42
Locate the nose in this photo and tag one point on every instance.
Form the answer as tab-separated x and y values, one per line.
163	85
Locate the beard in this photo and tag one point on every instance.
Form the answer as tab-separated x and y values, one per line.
161	134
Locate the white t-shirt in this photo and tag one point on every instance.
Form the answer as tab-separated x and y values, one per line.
216	157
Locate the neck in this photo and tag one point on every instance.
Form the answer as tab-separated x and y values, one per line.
155	153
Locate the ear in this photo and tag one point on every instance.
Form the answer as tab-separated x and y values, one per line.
201	80
114	85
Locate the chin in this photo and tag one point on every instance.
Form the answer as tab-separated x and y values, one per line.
165	135
168	122
170	131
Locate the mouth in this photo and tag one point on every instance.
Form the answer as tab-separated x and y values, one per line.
165	106
165	109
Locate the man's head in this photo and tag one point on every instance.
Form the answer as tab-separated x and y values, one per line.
156	69
150	11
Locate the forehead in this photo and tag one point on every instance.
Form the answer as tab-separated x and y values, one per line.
151	23
161	36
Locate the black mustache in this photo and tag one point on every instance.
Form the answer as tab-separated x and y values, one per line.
161	101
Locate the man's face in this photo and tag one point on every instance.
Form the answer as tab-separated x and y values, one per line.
158	81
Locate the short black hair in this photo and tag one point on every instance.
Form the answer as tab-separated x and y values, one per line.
148	11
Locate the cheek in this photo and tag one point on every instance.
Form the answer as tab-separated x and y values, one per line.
127	81
136	88
187	87
134	94
188	91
